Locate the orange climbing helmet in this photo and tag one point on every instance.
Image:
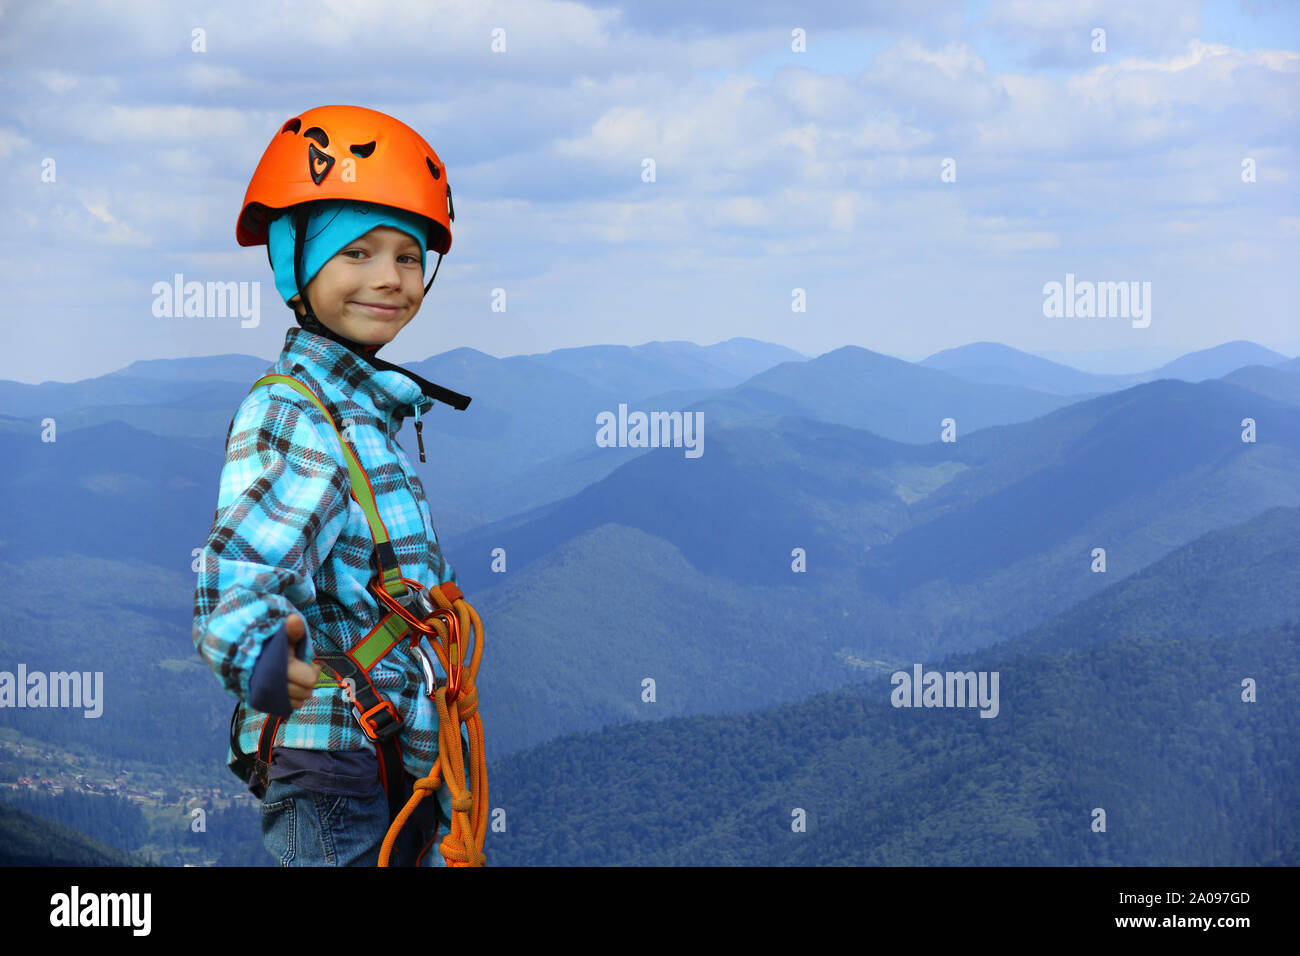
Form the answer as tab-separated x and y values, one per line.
348	152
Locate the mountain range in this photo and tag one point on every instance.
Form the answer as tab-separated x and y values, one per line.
852	514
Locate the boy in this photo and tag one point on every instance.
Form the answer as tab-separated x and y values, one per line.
286	567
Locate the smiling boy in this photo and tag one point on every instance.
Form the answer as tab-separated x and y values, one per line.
287	566
370	290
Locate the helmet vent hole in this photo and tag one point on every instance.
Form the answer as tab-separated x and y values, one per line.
292	126
318	135
364	150
432	168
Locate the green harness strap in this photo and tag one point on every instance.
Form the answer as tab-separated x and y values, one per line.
364	495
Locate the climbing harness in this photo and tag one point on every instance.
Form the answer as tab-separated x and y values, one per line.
440	614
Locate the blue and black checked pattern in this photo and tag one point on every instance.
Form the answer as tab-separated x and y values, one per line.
288	537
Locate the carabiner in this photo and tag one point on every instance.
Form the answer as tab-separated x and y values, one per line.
417	601
430	680
453	652
401	608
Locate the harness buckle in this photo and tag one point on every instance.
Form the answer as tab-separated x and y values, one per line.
375	725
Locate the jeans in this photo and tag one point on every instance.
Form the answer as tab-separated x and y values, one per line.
303	827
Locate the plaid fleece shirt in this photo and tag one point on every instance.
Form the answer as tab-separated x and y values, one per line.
288	537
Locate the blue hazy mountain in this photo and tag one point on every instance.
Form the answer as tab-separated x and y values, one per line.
1137	472
680	570
667	366
107	490
232	366
870	390
1131	702
1188	774
1231	579
995	363
1280	382
528	437
910	549
527	411
956	511
1155	734
1217	361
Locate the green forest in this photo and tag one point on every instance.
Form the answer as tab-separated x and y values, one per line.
1155	733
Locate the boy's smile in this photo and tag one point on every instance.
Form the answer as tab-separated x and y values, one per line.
371	288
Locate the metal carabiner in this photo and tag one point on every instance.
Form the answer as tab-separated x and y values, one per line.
453	652
449	618
430	679
418	603
402	607
417	600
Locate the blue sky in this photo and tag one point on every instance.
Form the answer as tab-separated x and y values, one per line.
776	170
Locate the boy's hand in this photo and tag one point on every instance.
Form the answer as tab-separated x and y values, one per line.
302	676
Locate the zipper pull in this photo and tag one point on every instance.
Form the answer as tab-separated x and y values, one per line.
418	426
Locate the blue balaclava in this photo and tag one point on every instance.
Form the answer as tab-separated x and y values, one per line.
331	225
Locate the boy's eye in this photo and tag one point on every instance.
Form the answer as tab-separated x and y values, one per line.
415	259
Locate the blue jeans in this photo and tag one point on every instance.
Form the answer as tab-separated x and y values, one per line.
303	827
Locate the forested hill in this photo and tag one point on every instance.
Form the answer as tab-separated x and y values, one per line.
29	840
1153	732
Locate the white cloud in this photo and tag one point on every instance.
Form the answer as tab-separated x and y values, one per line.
947	82
1060	33
56	81
11	141
116	233
1140	147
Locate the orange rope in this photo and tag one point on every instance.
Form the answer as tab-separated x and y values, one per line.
463	845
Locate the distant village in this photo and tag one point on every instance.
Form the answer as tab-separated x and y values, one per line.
61	776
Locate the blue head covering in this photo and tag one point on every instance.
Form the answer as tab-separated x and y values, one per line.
333	224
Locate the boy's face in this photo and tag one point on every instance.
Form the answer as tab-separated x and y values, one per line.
383	267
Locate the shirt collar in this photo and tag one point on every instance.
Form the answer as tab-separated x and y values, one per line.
329	362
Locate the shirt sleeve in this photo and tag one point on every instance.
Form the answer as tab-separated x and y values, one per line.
283	502
268	688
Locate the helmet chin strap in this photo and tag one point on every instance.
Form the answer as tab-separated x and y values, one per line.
311	323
